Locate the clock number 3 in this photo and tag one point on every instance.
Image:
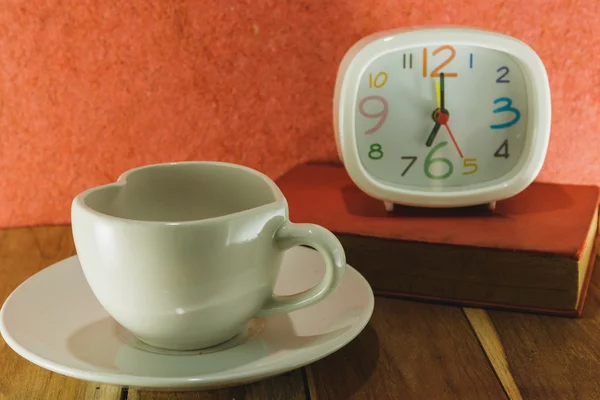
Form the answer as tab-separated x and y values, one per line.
507	107
380	115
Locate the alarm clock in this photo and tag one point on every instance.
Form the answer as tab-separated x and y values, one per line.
441	117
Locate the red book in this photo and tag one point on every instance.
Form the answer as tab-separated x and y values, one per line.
534	251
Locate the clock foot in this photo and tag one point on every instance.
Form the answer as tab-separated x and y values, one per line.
491	205
389	206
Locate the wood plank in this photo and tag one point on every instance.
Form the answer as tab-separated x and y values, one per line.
23	252
288	386
554	357
488	337
409	350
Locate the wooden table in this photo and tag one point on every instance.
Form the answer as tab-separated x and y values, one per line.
409	350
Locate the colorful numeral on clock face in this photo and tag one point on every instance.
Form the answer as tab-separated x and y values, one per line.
441	116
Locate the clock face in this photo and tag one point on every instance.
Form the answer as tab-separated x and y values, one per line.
441	117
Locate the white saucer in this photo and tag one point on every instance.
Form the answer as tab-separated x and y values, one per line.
54	321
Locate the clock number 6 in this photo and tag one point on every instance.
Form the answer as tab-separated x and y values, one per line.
507	107
430	160
381	115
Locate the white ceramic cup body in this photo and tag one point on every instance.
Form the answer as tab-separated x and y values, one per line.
184	254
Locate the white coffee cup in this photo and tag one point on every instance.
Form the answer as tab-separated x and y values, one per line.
184	254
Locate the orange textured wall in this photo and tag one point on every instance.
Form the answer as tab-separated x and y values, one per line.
89	89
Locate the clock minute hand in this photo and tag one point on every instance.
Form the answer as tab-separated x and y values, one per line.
437	125
444	115
442	96
439	89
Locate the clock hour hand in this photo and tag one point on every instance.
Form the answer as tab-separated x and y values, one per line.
441	118
433	133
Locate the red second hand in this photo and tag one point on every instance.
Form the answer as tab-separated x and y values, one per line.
442	119
454	140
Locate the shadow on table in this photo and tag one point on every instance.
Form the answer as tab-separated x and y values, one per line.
346	371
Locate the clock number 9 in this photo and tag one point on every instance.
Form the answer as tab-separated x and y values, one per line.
381	115
507	107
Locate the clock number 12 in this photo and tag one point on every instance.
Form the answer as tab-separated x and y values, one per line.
436	71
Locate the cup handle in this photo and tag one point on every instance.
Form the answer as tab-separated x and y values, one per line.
326	243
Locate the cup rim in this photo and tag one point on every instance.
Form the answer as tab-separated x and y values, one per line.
80	203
